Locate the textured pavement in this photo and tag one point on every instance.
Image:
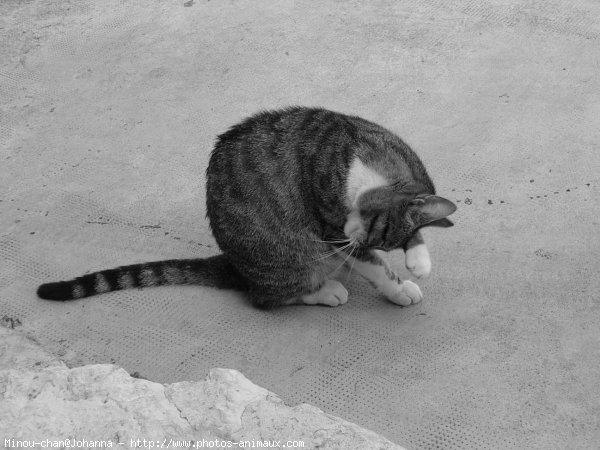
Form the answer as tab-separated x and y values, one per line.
108	112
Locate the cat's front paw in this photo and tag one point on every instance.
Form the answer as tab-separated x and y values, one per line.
332	293
418	261
407	293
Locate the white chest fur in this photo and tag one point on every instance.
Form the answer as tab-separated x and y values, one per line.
360	179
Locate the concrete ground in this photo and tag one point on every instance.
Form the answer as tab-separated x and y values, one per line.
108	111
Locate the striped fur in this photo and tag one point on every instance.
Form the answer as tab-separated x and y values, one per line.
215	271
290	194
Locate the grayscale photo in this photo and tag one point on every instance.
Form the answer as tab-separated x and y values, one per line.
333	224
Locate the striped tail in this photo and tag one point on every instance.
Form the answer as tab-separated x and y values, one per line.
215	271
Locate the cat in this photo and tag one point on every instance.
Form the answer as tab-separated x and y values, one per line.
295	198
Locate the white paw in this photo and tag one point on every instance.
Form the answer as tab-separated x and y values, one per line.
418	261
332	293
408	293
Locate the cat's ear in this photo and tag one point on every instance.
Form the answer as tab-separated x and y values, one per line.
431	210
442	223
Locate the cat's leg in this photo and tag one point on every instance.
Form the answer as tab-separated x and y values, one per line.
417	256
302	273
329	293
324	288
377	271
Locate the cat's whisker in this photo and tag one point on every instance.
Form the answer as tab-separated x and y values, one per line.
348	256
333	252
327	255
333	241
324	256
351	265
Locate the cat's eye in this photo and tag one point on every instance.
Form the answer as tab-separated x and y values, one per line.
381	247
372	225
386	230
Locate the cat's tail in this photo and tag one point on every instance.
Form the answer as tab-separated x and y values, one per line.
215	271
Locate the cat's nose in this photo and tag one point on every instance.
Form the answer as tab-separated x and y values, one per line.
354	232
353	229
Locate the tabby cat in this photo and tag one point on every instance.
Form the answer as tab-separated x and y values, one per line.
296	198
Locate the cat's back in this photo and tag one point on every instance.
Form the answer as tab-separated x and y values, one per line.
276	133
304	146
292	136
280	167
281	149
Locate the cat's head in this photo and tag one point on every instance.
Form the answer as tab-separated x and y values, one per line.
385	218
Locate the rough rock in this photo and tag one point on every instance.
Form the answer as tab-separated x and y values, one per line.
102	404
